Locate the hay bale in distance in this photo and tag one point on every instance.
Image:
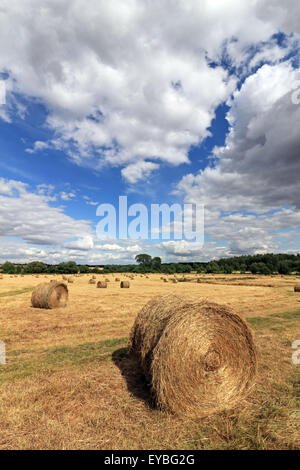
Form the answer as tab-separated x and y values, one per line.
101	285
50	295
297	288
117	279
198	357
125	285
92	281
70	280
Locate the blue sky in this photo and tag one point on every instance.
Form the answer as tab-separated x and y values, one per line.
97	108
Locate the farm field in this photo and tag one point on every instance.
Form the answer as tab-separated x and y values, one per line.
69	384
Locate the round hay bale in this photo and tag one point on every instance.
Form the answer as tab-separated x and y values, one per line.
198	281
297	288
101	285
94	277
71	281
198	357
107	280
117	279
125	285
50	295
65	278
92	281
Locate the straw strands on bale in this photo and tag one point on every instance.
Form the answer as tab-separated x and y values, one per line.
125	284
50	295
101	285
297	288
198	357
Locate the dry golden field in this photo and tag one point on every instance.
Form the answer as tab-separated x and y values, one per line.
69	384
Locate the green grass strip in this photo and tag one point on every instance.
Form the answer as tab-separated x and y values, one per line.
58	358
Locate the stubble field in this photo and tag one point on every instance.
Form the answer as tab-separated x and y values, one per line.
69	384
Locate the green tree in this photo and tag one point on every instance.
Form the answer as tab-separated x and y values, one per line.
36	267
8	268
156	263
284	267
243	268
259	268
213	268
84	269
144	260
228	269
68	268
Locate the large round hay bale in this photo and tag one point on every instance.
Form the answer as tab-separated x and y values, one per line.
50	295
125	284
101	285
297	288
198	357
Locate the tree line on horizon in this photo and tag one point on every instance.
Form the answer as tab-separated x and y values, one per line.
254	264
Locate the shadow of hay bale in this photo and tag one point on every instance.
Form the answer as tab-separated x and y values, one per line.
135	379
